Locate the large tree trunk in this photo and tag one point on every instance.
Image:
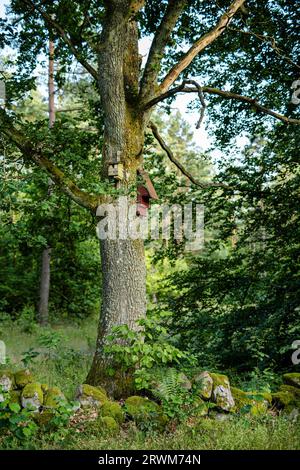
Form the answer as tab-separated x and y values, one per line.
123	264
123	302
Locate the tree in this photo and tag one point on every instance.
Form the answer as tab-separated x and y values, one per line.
103	37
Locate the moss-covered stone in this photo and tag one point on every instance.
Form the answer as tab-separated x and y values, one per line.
44	419
255	402
7	380
289	388
52	397
204	382
23	377
287	398
221	394
109	425
144	411
114	410
292	378
32	396
87	395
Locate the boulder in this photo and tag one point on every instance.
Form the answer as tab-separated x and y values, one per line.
185	382
256	403
114	410
292	379
205	383
87	395
287	399
142	410
23	377
221	394
32	396
109	425
52	397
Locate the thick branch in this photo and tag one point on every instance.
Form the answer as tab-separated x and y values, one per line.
182	88
50	21
176	162
199	45
161	38
36	154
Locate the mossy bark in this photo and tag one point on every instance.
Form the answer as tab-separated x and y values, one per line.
123	263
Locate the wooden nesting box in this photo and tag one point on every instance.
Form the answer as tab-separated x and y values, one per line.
115	167
144	194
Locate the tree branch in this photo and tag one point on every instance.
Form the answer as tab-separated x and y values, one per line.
64	36
161	38
177	163
199	45
182	88
36	155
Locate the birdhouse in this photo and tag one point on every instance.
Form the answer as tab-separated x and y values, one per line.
145	192
115	167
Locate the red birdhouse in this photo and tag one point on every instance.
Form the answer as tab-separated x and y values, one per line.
144	194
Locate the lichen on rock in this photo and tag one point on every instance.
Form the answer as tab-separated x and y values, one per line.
87	395
32	396
221	394
255	402
23	377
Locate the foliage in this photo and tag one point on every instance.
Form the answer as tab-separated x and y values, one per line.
143	350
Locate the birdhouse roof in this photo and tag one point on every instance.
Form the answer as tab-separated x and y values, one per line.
148	183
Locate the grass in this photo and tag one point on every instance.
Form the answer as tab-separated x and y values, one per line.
64	359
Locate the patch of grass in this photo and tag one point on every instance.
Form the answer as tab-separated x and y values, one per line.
239	433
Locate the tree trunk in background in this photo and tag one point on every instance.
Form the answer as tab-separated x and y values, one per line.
123	262
43	308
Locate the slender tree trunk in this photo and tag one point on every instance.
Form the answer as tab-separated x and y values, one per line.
123	263
43	308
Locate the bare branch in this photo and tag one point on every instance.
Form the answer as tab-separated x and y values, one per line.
182	88
199	45
36	155
50	21
161	38
177	163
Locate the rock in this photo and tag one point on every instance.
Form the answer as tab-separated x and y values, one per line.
287	398
7	380
52	397
142	410
23	377
114	410
201	408
292	379
205	383
255	402
221	394
185	382
32	396
87	395
109	425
